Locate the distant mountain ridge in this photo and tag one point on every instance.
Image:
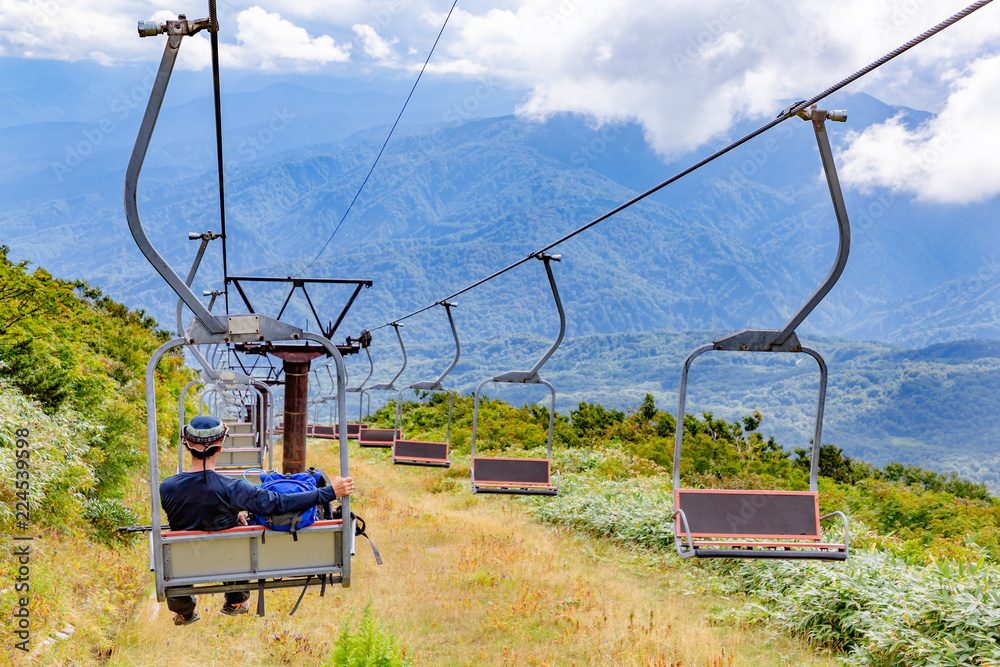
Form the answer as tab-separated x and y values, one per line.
464	189
938	407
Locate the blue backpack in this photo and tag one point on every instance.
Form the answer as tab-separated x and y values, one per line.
279	483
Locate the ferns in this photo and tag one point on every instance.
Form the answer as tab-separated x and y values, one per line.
370	646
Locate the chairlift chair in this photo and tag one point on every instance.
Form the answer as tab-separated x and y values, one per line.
354	430
723	523
428	452
239	558
247	442
382	437
521	476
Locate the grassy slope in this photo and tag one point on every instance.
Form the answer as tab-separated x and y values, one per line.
467	581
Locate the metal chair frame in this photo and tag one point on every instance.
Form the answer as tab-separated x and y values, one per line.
782	340
430	386
511	486
388	386
208	329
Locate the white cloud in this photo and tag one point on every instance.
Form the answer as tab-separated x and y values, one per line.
374	46
686	71
268	42
55	29
948	159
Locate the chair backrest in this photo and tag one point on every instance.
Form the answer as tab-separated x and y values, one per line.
352	430
416	449
517	471
755	514
380	435
193	557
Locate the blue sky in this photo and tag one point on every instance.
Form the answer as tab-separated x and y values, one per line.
686	71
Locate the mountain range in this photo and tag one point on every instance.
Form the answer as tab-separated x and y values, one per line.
465	188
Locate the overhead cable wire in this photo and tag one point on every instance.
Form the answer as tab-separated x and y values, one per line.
782	117
386	142
213	29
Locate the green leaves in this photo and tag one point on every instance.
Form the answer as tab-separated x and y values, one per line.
369	646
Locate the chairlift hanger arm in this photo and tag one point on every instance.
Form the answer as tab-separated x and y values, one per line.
371	368
458	345
532	375
391	384
175	31
819	118
205	239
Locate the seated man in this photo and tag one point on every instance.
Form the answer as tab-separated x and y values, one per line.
195	500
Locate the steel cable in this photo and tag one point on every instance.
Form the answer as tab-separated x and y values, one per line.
386	142
782	117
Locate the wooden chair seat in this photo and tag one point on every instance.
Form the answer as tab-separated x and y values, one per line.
378	437
752	524
513	476
421	453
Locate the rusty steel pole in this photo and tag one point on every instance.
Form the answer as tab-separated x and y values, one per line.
293	457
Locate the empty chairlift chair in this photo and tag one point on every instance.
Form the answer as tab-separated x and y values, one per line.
382	437
520	476
364	339
718	523
248	442
428	452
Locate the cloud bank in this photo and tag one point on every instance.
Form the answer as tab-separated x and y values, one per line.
685	71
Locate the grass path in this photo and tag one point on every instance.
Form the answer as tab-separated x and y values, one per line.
470	580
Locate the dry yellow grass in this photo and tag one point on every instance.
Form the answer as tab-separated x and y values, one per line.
467	580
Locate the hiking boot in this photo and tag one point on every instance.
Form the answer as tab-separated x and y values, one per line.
185	620
235	609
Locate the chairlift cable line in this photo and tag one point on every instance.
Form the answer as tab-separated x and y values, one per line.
213	30
782	117
388	136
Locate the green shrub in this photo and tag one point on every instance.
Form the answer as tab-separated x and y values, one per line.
105	516
370	646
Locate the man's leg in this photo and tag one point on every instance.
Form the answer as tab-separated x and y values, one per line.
234	601
237	598
184	607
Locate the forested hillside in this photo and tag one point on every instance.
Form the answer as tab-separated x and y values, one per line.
937	407
72	366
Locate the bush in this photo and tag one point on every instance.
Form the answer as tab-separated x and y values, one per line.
105	516
370	646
